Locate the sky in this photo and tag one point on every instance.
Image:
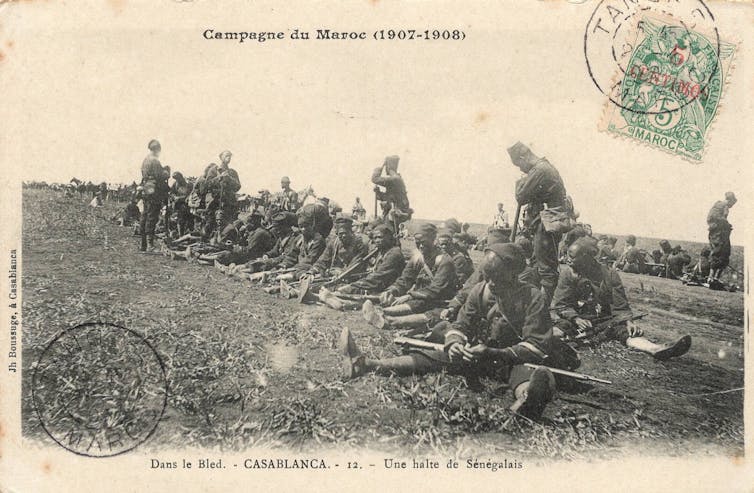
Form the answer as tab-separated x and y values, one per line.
87	88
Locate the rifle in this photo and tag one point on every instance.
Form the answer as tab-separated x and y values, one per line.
602	324
408	341
514	229
347	272
358	297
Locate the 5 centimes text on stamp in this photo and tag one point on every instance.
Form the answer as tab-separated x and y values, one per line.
99	389
671	88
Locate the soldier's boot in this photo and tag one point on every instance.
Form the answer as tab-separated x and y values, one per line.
372	315
143	247
660	352
304	293
533	396
352	359
150	243
220	267
328	298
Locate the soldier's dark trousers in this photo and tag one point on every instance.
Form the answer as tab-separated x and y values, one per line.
546	258
719	242
150	217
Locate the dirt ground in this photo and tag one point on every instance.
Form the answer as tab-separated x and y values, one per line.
249	369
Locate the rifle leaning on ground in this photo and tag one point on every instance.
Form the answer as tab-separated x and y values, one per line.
408	341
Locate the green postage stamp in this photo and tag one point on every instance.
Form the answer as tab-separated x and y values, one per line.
670	89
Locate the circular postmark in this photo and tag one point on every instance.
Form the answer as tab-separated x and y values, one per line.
625	48
99	389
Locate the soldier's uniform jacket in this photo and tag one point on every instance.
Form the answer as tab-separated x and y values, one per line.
395	189
718	215
541	186
283	247
528	276
153	177
433	278
287	200
519	320
258	241
589	298
464	267
304	252
337	255
225	185
383	271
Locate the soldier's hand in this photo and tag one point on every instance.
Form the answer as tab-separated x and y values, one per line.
633	329
446	313
456	352
401	299
582	324
475	353
386	298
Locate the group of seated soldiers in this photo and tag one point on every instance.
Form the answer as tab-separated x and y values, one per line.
492	319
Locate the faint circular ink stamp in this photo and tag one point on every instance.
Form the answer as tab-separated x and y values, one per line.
99	389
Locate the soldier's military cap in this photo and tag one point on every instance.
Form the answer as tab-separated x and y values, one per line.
586	246
730	197
392	161
511	254
517	150
284	219
225	153
496	236
444	232
153	144
452	224
343	221
285	179
427	229
383	228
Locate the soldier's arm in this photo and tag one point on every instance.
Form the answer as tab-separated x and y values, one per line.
565	298
315	251
290	257
443	280
536	331
529	187
325	260
385	274
406	279
469	317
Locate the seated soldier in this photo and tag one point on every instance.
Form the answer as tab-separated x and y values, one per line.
309	247
461	259
428	281
502	325
383	270
285	244
343	251
633	260
253	243
699	274
590	296
667	250
677	262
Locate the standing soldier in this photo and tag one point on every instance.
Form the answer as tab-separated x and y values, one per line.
719	238
397	208
500	221
228	185
288	198
548	211
358	211
154	181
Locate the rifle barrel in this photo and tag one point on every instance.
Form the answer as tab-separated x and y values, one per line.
572	374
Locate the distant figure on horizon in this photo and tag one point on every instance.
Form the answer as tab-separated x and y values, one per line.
719	238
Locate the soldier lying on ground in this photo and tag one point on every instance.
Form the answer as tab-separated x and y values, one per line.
503	324
590	295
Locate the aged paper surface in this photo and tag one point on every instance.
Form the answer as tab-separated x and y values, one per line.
134	372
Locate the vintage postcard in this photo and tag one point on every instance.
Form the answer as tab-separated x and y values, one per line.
379	245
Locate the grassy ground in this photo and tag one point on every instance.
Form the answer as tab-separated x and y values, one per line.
248	369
